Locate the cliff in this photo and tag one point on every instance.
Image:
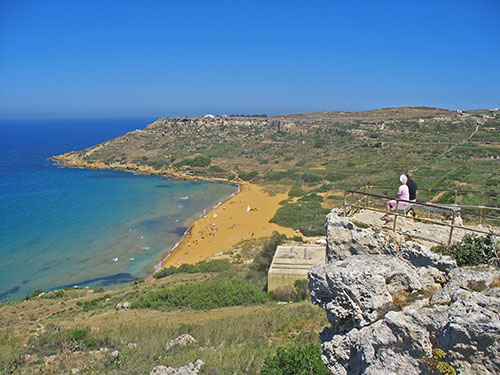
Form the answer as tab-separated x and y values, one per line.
391	304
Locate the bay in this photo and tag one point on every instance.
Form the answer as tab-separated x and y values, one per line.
63	226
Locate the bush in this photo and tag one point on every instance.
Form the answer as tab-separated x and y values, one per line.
311	177
472	250
296	360
305	215
52	342
199	161
296	191
262	262
217	265
247	176
215	169
203	296
299	292
33	294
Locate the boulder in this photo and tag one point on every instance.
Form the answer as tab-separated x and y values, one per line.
182	340
189	369
359	290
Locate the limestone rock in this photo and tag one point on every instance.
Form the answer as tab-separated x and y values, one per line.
189	369
370	334
345	239
182	340
359	290
122	306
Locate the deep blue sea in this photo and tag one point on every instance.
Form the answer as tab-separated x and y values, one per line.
62	226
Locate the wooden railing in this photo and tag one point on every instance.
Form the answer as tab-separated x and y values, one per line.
363	199
481	208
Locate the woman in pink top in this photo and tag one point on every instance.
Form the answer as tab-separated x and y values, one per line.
403	193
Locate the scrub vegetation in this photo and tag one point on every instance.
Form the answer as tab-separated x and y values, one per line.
240	328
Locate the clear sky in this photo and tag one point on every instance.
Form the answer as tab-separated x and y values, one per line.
89	58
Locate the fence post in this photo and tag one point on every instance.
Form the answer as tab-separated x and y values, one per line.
352	202
395	217
345	203
481	209
369	190
451	228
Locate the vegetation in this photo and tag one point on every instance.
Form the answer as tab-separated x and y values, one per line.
56	340
202	267
296	360
260	265
203	296
306	215
472	250
299	292
436	365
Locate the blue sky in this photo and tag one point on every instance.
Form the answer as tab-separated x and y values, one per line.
164	58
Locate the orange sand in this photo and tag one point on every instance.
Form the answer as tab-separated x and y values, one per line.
231	222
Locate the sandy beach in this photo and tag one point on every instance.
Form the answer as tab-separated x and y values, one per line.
244	216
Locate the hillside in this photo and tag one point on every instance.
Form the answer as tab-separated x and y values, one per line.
341	148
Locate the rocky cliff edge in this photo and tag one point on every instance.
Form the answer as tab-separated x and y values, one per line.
392	302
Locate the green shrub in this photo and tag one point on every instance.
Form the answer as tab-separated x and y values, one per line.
296	191
215	169
94	303
200	161
33	294
299	292
203	296
472	250
313	197
247	176
311	177
217	265
54	341
296	360
262	262
435	363
305	215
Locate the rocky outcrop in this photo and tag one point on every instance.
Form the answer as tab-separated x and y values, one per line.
390	304
345	239
182	340
189	369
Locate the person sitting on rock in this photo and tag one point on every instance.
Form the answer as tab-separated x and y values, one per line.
403	193
412	187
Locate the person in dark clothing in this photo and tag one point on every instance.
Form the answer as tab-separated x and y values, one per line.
412	186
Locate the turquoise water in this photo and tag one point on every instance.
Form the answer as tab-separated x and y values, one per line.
63	227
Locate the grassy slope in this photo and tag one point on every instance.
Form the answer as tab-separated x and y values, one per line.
235	340
344	149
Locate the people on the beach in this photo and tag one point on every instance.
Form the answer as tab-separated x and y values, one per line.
412	187
403	193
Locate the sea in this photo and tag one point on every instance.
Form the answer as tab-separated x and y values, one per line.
66	227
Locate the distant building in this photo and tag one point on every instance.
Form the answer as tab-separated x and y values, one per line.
292	262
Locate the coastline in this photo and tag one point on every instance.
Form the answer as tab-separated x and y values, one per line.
241	217
161	264
245	214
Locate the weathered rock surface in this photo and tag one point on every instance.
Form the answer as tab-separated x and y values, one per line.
182	340
359	290
189	369
345	239
362	288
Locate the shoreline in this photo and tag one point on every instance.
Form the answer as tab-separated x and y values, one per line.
241	217
160	265
248	202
